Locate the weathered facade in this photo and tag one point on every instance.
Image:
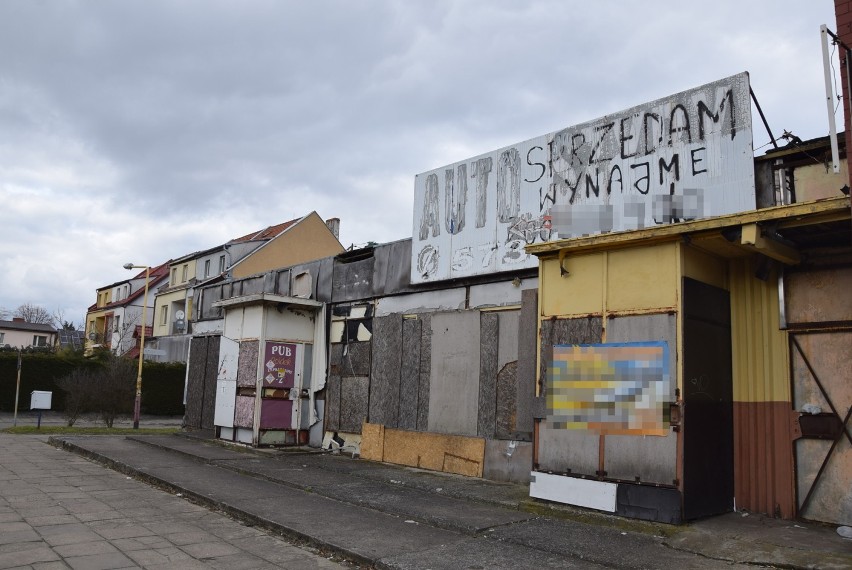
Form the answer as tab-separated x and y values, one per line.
657	362
751	309
435	366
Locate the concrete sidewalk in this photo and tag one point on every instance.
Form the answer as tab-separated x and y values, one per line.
393	517
59	511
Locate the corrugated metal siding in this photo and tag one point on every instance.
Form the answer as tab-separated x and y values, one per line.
763	459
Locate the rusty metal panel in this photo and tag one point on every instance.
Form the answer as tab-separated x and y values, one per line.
821	383
694	161
763	454
818	295
763	458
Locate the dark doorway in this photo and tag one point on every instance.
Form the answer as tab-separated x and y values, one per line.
201	382
708	440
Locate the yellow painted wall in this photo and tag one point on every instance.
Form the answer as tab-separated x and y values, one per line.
578	292
760	349
642	278
634	279
166	299
704	267
308	240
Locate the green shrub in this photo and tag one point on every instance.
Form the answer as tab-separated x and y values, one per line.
162	383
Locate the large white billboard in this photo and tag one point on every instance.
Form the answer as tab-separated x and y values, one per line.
682	157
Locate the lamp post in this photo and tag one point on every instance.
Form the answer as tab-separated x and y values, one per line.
137	403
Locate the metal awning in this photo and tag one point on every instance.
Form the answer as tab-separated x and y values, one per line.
268	299
780	233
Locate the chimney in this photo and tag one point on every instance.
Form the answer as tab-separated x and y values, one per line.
334	225
18	320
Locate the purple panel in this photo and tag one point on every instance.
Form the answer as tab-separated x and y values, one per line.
276	414
244	412
279	364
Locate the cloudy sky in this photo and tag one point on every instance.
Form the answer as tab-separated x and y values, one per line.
144	130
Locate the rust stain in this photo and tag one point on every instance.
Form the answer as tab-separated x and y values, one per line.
763	458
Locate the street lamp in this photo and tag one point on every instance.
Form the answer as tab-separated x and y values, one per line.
137	404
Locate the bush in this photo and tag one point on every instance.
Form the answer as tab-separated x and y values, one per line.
116	385
162	383
79	390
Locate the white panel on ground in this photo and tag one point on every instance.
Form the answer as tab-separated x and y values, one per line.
598	495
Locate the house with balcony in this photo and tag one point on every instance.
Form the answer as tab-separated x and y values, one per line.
114	317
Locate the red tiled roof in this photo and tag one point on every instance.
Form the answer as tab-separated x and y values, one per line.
266	233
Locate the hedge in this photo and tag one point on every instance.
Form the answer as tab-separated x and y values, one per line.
162	383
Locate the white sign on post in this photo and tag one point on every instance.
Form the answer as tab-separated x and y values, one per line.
682	157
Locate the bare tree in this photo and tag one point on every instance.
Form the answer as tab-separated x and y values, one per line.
80	393
116	386
5	314
60	322
122	337
34	314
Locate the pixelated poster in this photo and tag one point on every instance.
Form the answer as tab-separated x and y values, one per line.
612	388
280	365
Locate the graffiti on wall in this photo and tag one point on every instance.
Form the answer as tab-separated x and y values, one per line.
613	388
683	157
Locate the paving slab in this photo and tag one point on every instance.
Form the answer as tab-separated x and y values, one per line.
359	533
90	517
398	517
